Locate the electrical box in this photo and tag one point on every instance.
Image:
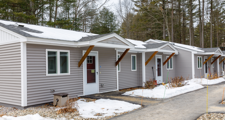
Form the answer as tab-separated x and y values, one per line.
60	99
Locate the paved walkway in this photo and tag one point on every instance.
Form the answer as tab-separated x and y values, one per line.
184	107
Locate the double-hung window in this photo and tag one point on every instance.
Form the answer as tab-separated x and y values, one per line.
199	62
169	63
133	63
119	65
57	62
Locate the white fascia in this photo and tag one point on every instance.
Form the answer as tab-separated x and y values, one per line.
41	41
23	51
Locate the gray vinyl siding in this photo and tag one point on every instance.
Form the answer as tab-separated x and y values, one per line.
199	73
39	85
10	74
128	78
167	74
183	64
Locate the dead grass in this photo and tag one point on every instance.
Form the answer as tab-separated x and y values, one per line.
71	106
177	82
150	84
214	76
2	115
130	89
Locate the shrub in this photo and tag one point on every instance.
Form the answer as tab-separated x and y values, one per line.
149	84
177	82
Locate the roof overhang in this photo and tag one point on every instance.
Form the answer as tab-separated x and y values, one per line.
94	42
160	50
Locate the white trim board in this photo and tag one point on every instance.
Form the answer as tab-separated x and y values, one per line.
23	74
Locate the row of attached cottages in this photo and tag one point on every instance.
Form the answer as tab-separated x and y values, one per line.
38	61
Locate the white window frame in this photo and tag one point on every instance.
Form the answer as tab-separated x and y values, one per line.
201	62
135	62
119	65
58	62
169	63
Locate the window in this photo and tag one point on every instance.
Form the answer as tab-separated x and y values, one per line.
119	65
57	62
89	59
133	63
199	62
169	63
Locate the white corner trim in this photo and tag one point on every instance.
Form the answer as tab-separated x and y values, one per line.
218	67
117	72
143	69
23	50
193	65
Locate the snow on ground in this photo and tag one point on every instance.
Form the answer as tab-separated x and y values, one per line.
106	107
27	117
96	109
204	81
158	92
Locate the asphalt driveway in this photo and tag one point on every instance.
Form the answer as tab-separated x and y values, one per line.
188	106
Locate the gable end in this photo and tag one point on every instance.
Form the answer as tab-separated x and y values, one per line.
113	40
167	47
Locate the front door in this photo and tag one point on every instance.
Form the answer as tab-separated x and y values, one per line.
158	64
91	78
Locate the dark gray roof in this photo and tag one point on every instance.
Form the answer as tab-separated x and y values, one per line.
89	38
154	45
223	52
209	49
18	30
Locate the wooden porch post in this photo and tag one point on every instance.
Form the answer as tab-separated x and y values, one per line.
146	63
222	60
168	58
85	55
216	59
208	59
124	53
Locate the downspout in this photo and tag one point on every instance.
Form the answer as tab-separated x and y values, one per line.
143	69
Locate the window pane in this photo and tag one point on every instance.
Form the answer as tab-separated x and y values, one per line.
200	62
171	63
133	62
52	62
63	62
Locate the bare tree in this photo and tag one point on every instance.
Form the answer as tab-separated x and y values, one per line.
203	13
211	26
124	10
172	36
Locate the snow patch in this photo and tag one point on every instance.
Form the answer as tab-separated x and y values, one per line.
204	81
137	43
158	92
27	117
105	107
